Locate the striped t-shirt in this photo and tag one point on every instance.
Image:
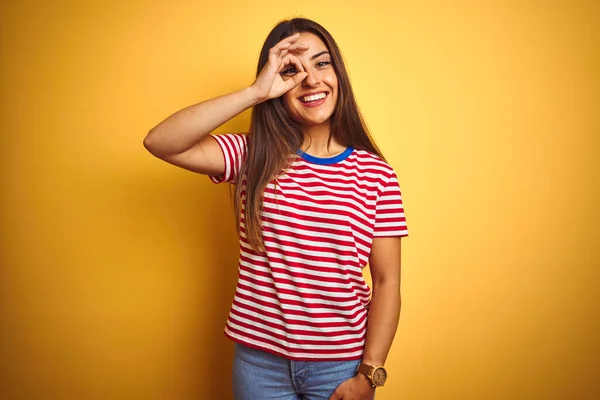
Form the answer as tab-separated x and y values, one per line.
305	298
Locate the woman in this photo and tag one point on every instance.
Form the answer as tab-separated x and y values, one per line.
316	202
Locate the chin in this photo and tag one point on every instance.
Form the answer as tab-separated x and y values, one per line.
313	122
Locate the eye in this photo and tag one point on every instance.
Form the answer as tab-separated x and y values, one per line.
322	64
289	71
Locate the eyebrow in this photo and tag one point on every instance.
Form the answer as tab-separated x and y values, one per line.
319	54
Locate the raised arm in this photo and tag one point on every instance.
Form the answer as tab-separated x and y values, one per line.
182	139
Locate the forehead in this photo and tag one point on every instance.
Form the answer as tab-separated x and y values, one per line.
314	43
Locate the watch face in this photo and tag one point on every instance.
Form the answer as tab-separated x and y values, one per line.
379	376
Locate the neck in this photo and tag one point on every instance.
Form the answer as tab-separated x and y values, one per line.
315	141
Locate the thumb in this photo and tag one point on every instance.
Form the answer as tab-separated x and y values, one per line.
298	78
337	394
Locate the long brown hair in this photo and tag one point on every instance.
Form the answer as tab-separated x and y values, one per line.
274	136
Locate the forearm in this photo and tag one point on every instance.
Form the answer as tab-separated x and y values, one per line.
186	127
384	314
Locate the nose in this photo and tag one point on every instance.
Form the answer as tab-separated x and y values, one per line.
312	80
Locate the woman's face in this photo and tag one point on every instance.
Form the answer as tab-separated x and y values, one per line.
313	101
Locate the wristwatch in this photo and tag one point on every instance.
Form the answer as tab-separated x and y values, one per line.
376	374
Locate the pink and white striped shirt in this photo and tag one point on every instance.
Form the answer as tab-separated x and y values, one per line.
305	297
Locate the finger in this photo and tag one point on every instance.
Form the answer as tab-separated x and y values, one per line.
338	393
288	60
289	39
294	47
284	43
275	56
293	80
298	47
296	80
277	49
291	59
278	52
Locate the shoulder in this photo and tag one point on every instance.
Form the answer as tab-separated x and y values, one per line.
372	163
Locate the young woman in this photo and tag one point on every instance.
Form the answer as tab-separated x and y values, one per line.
316	202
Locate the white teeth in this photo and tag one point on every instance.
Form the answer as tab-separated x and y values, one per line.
314	97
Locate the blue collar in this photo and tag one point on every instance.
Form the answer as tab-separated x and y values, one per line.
326	161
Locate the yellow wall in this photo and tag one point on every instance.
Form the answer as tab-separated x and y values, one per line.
117	270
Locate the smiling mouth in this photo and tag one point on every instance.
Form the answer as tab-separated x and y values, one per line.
313	98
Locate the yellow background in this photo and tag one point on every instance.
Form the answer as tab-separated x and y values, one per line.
117	270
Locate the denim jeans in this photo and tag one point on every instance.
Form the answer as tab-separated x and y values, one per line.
258	375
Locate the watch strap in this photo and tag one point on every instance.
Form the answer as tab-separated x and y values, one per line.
365	369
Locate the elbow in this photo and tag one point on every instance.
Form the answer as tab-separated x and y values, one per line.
386	280
150	144
390	285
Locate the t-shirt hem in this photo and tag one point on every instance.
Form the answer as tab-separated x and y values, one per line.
286	356
217	179
387	235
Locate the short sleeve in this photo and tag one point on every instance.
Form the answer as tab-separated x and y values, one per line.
389	211
234	148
